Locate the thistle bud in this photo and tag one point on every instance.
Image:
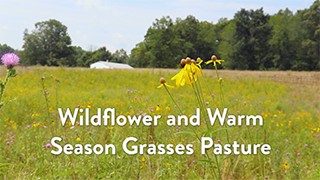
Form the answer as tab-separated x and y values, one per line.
214	57
162	80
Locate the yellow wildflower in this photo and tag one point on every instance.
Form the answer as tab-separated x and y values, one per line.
189	73
198	62
195	70
182	77
285	166
214	60
158	108
35	125
164	84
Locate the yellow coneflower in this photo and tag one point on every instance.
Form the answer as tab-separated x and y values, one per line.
198	62
195	69
163	83
182	77
189	73
214	60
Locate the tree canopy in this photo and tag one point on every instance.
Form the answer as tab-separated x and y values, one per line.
48	44
252	40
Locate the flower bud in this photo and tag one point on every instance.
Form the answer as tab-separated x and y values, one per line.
183	62
193	61
214	57
162	80
188	60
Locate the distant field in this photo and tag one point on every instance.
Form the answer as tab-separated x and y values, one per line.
288	101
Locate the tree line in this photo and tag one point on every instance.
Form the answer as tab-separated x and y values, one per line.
49	44
252	40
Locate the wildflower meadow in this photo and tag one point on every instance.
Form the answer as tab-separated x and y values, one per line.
288	102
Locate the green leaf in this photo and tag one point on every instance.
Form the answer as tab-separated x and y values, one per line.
12	72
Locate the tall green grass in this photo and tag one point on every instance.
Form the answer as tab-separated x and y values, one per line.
29	120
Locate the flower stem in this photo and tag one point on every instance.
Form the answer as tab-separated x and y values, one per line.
3	85
175	103
220	84
45	94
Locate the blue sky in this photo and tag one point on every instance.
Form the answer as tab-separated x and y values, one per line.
117	24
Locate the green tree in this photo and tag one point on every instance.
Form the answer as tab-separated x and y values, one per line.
225	41
207	40
252	34
162	42
4	48
187	31
48	44
102	54
197	39
283	39
78	54
309	50
120	56
140	56
166	42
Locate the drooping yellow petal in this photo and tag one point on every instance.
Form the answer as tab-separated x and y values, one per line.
177	78
219	61
210	61
199	61
165	84
181	77
189	72
169	86
195	71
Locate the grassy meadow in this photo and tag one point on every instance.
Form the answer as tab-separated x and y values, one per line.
288	101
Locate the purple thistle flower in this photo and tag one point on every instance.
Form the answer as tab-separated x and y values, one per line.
10	60
48	145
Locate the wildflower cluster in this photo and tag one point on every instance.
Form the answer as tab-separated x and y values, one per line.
9	60
191	71
190	74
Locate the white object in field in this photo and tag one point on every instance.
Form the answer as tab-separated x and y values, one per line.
109	65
